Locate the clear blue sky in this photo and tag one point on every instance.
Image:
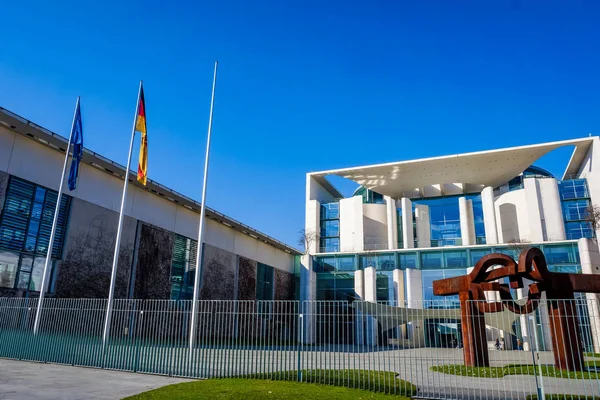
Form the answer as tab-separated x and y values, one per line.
303	85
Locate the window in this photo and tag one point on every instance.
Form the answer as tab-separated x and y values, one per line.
383	262
264	282
400	234
573	189
25	228
336	286
408	260
183	267
575	201
330	228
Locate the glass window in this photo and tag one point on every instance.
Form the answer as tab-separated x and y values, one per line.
330	245
431	260
573	189
324	264
476	255
336	286
429	277
578	230
330	211
346	263
575	210
330	228
8	269
386	291
561	254
456	259
408	260
37	273
264	282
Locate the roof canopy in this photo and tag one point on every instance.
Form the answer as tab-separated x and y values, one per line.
460	173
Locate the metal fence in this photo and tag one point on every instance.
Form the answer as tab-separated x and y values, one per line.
381	347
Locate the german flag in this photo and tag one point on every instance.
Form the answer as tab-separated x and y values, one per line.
140	125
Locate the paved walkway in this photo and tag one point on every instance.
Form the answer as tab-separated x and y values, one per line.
21	380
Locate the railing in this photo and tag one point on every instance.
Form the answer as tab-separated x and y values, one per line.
386	347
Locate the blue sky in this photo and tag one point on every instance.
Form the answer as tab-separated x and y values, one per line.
303	85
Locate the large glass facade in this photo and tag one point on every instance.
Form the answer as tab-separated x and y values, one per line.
330	228
369	196
264	282
575	200
183	267
25	227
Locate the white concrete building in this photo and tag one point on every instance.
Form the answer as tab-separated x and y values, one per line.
412	222
157	256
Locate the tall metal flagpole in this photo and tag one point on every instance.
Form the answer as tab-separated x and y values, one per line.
38	312
113	276
194	321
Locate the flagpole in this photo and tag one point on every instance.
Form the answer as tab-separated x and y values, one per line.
113	276
38	311
194	321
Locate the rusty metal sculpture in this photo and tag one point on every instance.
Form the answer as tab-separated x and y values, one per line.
566	342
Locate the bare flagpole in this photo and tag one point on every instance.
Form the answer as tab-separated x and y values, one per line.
113	276
38	312
194	320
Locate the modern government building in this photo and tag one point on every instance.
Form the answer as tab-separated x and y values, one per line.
158	247
410	223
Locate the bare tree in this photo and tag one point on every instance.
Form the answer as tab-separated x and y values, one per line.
307	239
519	245
593	216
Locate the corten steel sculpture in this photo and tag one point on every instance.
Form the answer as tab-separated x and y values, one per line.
566	342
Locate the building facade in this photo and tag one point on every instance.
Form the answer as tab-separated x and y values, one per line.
410	223
159	242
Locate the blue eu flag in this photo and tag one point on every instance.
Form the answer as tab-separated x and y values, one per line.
77	145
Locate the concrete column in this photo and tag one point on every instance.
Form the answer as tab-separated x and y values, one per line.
370	280
414	299
590	264
398	277
308	292
351	224
308	278
534	210
467	221
423	225
489	215
407	224
552	210
524	320
392	223
359	288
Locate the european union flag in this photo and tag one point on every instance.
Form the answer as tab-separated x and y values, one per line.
77	145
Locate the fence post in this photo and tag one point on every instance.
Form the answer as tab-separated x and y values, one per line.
536	357
300	341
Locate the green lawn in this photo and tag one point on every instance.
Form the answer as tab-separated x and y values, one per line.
374	381
562	397
245	389
513	369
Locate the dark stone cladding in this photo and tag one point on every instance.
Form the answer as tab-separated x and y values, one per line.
284	285
218	274
88	253
153	270
246	279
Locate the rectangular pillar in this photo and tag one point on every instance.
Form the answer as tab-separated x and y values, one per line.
370	280
351	224
554	225
359	289
414	299
534	210
398	277
407	224
590	264
392	223
423	225
467	221
489	215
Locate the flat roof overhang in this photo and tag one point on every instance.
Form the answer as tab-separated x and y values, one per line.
472	171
